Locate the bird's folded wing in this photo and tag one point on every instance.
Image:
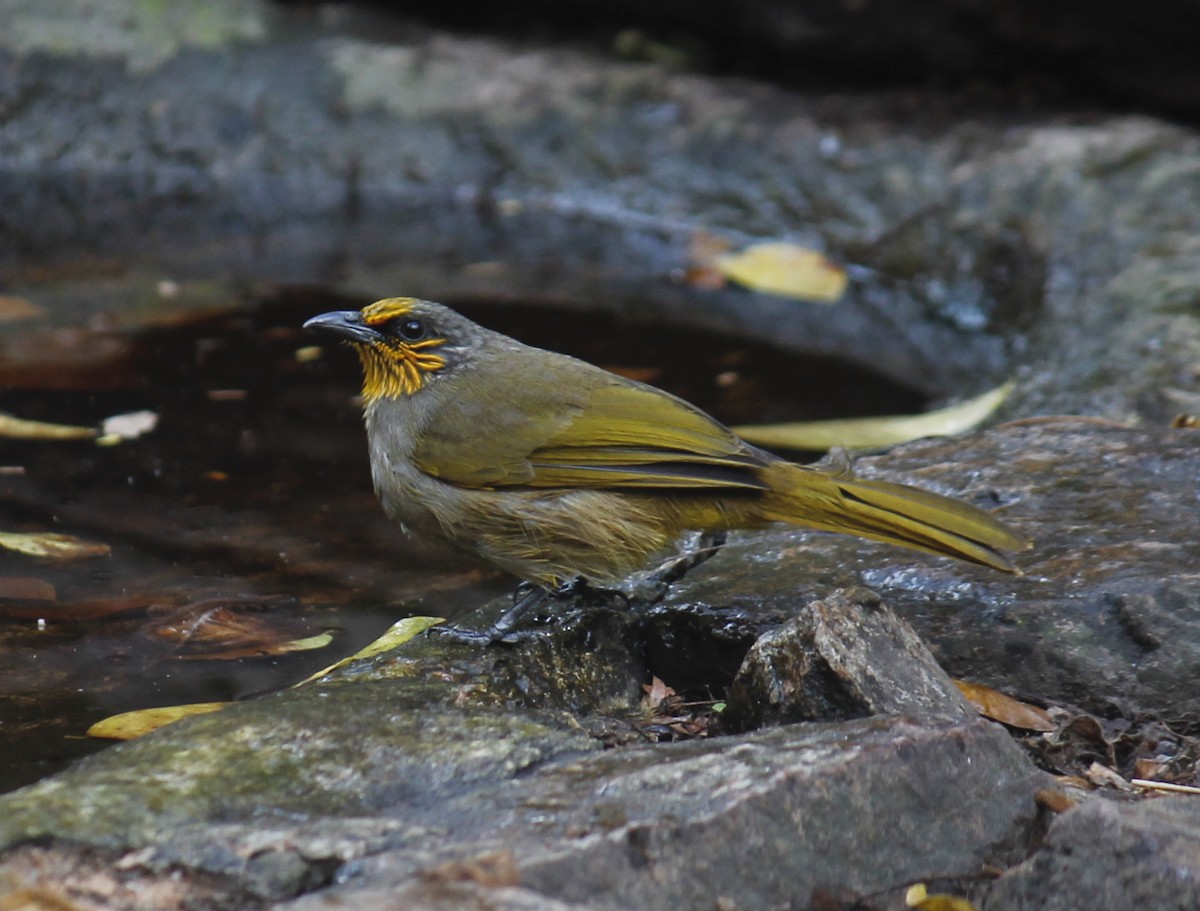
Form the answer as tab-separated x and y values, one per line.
616	434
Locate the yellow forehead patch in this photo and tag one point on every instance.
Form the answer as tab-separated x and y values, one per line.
386	309
393	367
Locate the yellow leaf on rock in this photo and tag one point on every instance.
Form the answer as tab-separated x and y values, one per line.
918	897
396	635
785	270
52	546
876	432
129	725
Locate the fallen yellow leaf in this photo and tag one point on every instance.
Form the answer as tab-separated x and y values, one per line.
129	725
52	546
918	897
785	270
876	432
21	429
396	635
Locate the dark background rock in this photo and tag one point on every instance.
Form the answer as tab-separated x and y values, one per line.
1105	51
1107	856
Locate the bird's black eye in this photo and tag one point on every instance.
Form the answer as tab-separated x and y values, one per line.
411	330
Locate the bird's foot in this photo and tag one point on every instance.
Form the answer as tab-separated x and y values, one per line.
526	598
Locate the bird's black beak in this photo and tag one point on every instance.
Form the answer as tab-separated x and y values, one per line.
345	323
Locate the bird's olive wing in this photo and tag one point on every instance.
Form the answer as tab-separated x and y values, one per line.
606	433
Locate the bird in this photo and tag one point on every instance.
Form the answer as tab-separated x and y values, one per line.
556	470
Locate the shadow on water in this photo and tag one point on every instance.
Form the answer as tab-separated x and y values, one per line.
246	519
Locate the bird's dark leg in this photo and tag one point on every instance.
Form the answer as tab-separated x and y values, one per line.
706	549
527	597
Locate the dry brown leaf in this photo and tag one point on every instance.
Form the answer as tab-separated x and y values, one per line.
129	725
657	691
1147	768
1054	800
227	629
1103	776
21	429
785	270
13	309
50	546
492	870
995	705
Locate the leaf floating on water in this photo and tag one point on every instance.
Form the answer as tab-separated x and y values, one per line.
50	546
995	705
307	644
20	429
22	588
127	427
396	635
128	725
224	629
877	432
785	270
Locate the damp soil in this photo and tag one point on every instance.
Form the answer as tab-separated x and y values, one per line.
245	521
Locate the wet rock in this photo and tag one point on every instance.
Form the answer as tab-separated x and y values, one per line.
1104	616
816	806
845	656
1108	856
230	793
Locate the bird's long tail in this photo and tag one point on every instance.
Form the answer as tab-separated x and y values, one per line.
895	513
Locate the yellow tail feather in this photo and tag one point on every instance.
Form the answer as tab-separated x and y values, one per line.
894	513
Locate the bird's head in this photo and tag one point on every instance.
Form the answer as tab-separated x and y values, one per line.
402	342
